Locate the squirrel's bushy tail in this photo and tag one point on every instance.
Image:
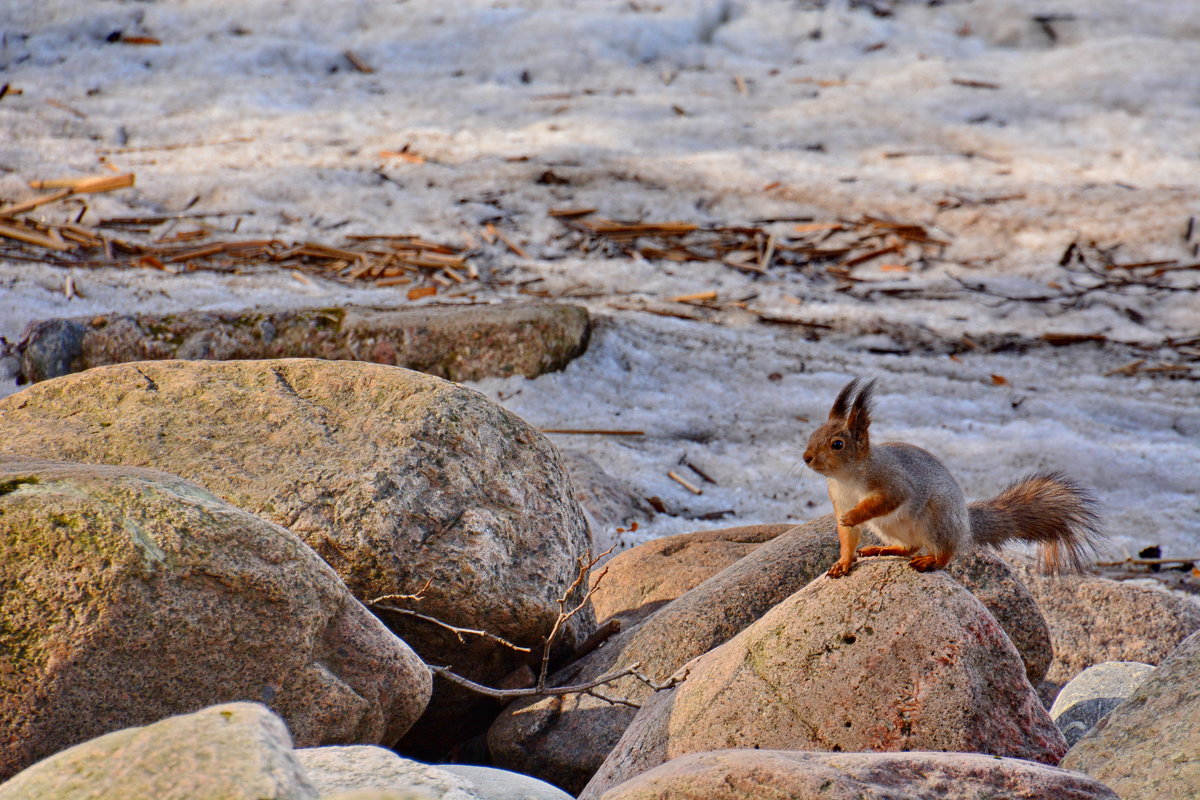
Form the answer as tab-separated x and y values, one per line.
1047	508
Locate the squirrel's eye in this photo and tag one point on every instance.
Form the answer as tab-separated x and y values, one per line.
837	444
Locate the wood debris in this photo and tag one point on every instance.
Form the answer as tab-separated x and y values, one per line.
151	243
816	248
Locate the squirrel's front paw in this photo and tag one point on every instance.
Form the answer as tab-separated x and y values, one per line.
847	520
840	568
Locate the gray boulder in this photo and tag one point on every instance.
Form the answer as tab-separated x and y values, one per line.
774	774
236	751
1093	693
394	477
334	770
338	770
128	595
499	784
1094	619
1148	748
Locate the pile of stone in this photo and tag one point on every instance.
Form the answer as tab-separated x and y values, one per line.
205	565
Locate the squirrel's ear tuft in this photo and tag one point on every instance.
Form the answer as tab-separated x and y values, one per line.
841	406
859	418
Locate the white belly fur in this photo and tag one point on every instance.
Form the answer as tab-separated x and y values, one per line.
894	528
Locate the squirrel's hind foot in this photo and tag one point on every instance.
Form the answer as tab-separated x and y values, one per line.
930	563
840	568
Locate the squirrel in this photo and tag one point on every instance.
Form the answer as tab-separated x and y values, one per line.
912	502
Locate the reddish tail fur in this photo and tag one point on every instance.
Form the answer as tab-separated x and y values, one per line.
1047	508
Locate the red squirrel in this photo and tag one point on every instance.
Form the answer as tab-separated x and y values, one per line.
915	506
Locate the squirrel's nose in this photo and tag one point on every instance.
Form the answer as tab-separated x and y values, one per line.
808	458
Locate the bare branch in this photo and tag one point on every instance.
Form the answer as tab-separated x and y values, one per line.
587	687
585	563
420	595
457	631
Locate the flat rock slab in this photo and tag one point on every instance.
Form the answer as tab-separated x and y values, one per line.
128	595
774	774
885	659
1148	748
236	751
456	342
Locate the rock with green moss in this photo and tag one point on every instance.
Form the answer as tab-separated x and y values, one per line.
236	751
456	342
403	482
884	659
128	595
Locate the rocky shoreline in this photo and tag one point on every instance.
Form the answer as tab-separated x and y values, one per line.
191	552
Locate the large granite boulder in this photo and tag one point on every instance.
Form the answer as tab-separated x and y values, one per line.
394	477
128	595
343	769
564	739
886	659
774	774
336	770
1094	619
643	579
457	342
236	751
1148	747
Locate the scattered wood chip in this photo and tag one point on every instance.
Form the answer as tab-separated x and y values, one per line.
404	155
973	84
421	291
1060	339
694	297
144	40
1126	369
22	234
64	107
510	244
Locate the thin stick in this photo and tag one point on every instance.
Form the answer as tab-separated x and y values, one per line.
589	432
694	297
358	63
1149	562
511	245
691	487
19	208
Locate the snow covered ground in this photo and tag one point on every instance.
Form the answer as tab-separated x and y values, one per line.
1009	129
